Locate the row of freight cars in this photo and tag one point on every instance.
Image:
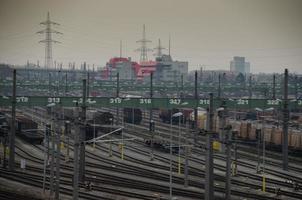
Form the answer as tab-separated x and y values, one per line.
131	115
102	122
97	122
25	128
245	124
272	134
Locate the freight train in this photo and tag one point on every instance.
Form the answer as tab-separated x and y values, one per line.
245	124
272	134
25	128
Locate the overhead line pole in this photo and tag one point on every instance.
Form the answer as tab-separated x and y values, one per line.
250	87
88	84
78	131
219	86
58	158
274	86
46	153
117	95
151	118
195	110
209	175
83	136
296	87
285	122
67	134
52	155
65	83
228	162
11	163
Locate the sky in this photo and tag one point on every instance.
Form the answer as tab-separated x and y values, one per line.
205	33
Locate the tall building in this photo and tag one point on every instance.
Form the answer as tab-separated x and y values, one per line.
239	65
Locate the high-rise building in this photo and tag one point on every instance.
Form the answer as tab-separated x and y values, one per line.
239	65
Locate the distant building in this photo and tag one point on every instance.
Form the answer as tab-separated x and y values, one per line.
247	68
169	70
164	69
123	66
239	65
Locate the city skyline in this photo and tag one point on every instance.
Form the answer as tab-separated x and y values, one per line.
204	33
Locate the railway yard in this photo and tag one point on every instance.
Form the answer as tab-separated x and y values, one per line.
139	147
133	175
150	100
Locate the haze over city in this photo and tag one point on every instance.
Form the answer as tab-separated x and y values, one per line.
205	33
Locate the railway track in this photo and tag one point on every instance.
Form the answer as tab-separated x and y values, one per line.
198	162
180	180
257	178
218	189
117	180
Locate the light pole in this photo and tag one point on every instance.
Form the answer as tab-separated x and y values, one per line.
110	143
179	159
133	117
263	145
151	129
186	158
209	175
222	114
93	111
94	133
51	105
46	153
258	136
93	145
122	146
234	138
170	185
67	131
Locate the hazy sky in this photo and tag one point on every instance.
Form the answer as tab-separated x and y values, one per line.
203	32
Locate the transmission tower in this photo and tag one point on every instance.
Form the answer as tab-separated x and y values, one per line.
48	40
159	49
143	49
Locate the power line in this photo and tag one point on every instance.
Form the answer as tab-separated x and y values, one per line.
48	40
